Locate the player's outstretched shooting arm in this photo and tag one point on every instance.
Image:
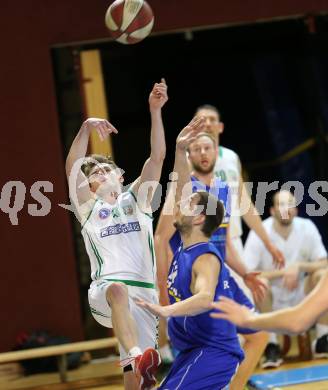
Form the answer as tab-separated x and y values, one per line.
165	228
296	319
78	183
151	171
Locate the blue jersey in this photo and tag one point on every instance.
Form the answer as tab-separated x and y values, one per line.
221	192
201	330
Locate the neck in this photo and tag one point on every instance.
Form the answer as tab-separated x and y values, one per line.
205	178
193	238
282	230
110	197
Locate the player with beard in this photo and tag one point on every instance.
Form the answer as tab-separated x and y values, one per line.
209	351
202	154
306	262
228	169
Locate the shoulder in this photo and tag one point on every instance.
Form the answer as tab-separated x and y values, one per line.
87	208
267	223
228	153
207	260
305	224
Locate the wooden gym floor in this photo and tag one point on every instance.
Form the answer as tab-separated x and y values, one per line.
107	376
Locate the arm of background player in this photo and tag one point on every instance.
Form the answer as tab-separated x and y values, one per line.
163	233
152	169
206	270
165	228
251	279
302	266
181	164
77	180
254	222
296	319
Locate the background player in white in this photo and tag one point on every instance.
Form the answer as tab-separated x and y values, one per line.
119	241
306	261
228	168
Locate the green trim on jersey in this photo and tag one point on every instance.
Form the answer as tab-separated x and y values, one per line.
98	257
89	215
220	151
133	283
151	248
135	199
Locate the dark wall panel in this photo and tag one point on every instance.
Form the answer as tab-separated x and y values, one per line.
39	281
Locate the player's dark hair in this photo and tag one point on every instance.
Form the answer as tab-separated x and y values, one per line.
208	107
213	211
95	159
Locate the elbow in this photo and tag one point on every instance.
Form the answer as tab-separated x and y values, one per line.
206	300
297	327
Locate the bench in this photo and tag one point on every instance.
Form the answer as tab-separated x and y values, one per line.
60	351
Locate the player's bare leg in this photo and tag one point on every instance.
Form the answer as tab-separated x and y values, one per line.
319	349
124	325
253	348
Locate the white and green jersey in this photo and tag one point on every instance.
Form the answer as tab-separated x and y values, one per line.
228	169
119	241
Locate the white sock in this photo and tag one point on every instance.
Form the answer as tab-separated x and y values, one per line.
166	353
135	351
321	330
273	338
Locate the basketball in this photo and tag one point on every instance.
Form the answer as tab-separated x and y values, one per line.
129	21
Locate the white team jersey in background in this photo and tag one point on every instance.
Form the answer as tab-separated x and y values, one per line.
119	241
227	168
304	244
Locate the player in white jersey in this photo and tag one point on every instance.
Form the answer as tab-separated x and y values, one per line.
228	169
118	236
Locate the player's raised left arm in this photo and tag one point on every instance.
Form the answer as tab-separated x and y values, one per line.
206	270
151	171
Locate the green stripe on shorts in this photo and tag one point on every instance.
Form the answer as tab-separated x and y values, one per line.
133	283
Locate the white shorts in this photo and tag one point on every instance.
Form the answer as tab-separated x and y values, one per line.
147	323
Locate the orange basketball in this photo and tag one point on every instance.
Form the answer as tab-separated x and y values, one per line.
129	21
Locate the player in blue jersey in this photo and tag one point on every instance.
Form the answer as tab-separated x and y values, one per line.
209	353
202	156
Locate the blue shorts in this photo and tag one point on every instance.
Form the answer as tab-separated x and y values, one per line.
203	368
240	297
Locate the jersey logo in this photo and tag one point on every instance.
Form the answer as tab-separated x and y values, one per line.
120	228
225	285
104	213
115	212
128	210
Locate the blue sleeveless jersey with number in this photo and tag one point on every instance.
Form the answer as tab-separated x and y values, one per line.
221	192
201	330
